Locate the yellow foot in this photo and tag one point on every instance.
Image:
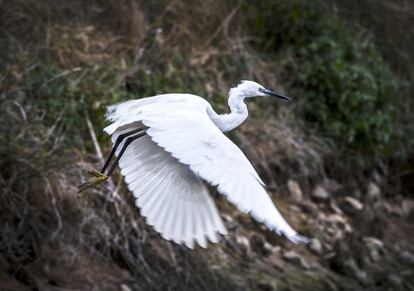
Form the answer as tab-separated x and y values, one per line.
98	178
96	174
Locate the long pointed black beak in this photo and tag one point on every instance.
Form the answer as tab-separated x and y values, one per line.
271	93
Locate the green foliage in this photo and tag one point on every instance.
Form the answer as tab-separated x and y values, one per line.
345	88
350	93
64	95
146	83
280	24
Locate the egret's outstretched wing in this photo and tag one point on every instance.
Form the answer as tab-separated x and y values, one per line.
171	197
179	123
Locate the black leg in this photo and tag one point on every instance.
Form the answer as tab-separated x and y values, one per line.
128	141
118	141
99	177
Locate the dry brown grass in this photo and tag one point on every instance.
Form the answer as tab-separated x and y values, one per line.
49	237
52	237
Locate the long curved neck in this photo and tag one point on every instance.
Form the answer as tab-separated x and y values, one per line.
238	113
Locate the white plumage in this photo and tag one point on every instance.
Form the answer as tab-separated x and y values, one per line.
185	146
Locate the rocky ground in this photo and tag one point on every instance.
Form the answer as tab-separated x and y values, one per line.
360	239
354	241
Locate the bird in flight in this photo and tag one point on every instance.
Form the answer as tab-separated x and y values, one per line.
169	146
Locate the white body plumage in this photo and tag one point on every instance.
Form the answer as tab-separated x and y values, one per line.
185	146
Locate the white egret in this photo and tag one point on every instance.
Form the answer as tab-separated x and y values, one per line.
168	145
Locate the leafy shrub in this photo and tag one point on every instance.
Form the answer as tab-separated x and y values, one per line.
65	95
346	89
350	93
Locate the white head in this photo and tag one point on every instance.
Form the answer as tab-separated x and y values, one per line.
252	89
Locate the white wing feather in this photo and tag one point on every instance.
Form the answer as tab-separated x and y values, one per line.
168	193
179	123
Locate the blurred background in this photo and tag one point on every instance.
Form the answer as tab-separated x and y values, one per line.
338	161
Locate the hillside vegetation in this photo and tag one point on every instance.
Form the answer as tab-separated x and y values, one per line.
337	161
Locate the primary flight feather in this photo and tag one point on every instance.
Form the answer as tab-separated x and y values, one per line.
168	146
